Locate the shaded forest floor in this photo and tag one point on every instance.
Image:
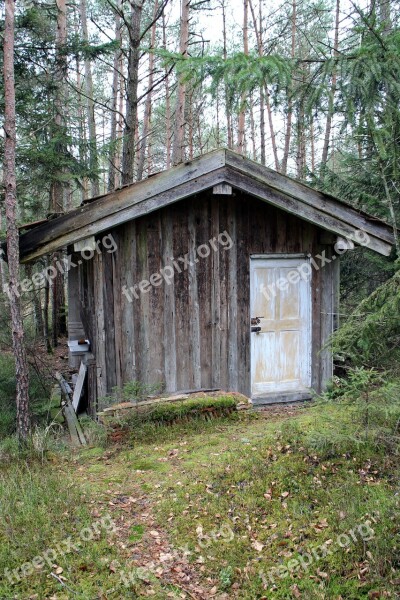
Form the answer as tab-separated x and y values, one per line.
247	507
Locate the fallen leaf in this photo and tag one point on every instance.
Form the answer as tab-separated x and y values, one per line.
154	533
296	591
257	545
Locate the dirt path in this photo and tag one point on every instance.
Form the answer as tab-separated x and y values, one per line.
144	548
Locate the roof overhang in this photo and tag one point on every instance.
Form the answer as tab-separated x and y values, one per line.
203	173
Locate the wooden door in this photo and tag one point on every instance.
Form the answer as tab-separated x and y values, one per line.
280	306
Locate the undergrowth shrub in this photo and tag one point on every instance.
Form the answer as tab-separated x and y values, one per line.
132	391
370	337
39	393
169	412
361	417
95	432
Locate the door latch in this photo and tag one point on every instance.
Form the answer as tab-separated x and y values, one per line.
254	322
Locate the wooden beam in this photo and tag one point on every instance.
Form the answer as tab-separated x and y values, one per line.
53	234
77	435
76	398
303	211
223	189
309	196
86	244
187	179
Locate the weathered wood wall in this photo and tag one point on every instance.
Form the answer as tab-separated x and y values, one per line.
195	332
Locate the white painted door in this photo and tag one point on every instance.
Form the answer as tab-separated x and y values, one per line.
280	297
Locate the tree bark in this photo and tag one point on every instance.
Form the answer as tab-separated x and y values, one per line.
112	171
240	147
128	148
331	99
229	128
57	195
178	151
10	183
93	156
289	116
168	134
149	96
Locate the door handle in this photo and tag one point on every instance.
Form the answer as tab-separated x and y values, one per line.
255	329
255	320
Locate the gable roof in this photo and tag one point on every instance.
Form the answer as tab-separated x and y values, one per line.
186	179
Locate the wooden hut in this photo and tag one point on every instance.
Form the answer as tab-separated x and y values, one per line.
217	273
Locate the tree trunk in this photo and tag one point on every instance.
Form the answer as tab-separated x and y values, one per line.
168	134
120	127
10	184
147	106
93	157
57	196
178	151
289	116
37	304
128	149
46	327
331	99
301	144
80	114
264	94
253	129
112	171
240	147
229	128
312	145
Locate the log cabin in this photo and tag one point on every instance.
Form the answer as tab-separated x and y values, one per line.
219	273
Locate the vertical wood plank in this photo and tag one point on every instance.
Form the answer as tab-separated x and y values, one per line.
184	375
224	324
246	244
233	338
194	300
99	322
215	300
327	310
155	366
169	306
109	325
116	282
144	366
129	304
202	212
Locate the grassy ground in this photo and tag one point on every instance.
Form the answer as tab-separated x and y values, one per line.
248	507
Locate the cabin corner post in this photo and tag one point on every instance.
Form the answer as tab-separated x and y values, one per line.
75	327
330	280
